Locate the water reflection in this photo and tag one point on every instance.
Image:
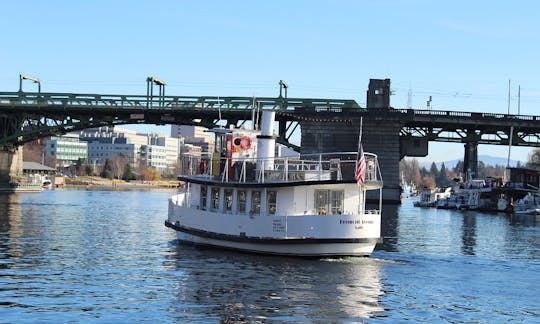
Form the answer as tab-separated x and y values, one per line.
389	228
11	231
468	228
524	220
239	287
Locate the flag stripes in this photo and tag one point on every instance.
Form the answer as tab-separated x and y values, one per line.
360	166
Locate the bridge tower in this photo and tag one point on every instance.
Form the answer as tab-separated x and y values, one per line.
378	94
379	135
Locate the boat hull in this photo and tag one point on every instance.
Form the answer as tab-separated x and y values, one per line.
299	235
304	247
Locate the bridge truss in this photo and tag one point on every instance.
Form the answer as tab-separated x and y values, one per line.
25	116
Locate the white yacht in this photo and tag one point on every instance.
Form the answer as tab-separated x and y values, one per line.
244	198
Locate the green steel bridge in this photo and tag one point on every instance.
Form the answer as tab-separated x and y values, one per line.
27	116
323	124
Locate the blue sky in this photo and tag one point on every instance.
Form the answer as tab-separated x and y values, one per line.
462	53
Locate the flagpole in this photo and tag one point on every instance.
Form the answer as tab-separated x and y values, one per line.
360	134
361	207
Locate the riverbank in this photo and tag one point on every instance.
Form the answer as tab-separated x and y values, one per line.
98	183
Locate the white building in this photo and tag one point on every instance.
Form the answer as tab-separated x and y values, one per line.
194	135
98	152
66	150
169	146
154	150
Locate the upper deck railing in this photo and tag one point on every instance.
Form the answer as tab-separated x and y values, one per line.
307	168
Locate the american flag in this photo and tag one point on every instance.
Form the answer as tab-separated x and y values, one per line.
360	166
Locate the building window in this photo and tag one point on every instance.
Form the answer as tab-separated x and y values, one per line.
329	201
241	201
203	197
271	202
256	202
215	198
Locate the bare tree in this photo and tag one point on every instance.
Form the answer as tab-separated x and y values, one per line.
118	164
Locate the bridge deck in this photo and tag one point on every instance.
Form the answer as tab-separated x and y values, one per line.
26	116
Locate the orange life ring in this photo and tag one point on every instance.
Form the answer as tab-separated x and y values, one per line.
245	142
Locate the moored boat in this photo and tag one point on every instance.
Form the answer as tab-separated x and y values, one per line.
432	198
244	198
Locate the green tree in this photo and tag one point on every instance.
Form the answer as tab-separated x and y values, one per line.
89	169
434	172
442	180
107	170
128	173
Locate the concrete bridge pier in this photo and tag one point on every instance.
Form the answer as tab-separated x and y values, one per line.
470	160
11	167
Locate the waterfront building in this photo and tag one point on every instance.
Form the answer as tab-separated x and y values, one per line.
65	150
163	151
194	135
153	150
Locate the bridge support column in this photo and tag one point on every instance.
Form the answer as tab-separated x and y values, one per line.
11	167
470	161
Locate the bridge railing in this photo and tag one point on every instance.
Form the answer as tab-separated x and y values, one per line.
463	114
69	100
337	166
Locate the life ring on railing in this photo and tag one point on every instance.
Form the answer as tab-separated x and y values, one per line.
245	143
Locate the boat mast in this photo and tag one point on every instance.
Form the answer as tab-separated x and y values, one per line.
511	133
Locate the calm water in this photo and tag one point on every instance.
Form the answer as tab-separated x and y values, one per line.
105	256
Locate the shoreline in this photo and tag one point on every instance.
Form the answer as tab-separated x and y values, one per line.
95	183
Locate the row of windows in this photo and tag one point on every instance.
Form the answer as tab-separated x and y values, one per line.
329	201
241	200
70	149
116	148
326	201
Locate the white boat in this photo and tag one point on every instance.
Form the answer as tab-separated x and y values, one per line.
432	198
249	200
528	205
47	184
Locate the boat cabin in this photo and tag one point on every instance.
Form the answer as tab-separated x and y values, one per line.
523	178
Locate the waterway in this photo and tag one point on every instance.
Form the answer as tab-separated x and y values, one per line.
105	257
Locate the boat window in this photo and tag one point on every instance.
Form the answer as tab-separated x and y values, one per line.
228	200
203	197
321	201
271	202
329	201
256	202
215	198
336	202
241	201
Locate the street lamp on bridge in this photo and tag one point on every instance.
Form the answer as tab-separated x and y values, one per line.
31	78
150	82
283	86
